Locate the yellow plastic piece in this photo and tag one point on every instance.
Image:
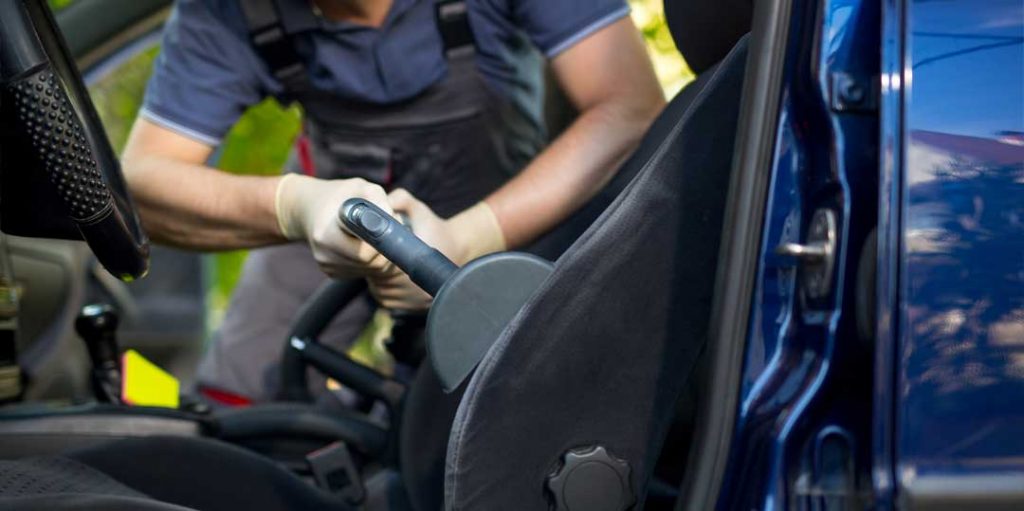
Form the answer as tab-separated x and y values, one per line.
145	384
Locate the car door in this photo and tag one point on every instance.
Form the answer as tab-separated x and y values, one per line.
950	402
791	366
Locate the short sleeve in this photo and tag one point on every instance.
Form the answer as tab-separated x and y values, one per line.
556	25
205	76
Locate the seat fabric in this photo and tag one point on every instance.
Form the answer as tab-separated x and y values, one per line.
58	483
204	474
599	355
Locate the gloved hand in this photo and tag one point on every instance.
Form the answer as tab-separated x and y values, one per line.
307	209
466	236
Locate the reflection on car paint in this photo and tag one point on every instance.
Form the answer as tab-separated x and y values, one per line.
961	381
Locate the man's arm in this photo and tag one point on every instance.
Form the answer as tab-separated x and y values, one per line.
609	78
184	203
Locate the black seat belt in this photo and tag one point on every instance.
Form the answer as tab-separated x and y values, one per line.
273	44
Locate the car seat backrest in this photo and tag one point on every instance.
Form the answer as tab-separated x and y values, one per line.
428	412
706	30
599	355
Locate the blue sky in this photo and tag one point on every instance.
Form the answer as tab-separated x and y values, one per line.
968	66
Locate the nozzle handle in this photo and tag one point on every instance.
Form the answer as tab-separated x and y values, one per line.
425	265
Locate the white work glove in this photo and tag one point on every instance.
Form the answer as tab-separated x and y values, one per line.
466	236
307	209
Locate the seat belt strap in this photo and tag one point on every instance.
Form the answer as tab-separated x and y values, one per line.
274	45
453	23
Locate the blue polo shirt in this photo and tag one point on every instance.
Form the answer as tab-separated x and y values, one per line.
208	73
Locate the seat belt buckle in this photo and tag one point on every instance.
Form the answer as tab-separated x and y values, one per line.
335	470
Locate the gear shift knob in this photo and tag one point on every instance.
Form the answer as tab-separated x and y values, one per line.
97	326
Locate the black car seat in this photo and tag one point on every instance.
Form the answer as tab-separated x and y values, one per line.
149	473
578	393
595	360
593	298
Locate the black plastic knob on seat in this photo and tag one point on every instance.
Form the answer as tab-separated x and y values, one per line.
591	479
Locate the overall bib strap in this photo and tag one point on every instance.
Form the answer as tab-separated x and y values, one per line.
453	24
274	45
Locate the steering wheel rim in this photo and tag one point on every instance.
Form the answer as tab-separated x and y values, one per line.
313	317
63	133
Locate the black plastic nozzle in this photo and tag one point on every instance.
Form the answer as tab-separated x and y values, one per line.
426	266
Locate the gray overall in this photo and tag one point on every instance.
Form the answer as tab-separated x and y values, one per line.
450	146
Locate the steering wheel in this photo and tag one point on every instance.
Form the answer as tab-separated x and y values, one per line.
57	134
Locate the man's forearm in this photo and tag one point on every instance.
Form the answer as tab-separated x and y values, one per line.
610	80
201	208
570	171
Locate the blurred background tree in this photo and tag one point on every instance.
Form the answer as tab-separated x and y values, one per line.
259	142
649	17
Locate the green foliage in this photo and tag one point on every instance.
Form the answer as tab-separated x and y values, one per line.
118	95
649	17
57	5
257	144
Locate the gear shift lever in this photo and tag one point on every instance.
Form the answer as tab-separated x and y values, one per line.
97	326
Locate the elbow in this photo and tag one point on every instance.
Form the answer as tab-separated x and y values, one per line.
133	165
645	106
140	175
139	180
633	113
134	173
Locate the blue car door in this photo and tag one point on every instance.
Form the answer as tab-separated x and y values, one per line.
949	405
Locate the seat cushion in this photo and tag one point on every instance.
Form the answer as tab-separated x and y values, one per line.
204	474
58	483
